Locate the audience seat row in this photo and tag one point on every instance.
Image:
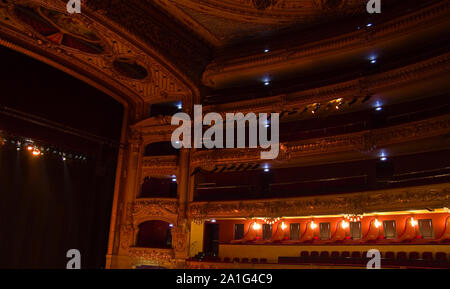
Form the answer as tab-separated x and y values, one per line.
413	259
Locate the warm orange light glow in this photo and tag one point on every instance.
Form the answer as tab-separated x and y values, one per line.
413	222
29	148
313	225
377	223
283	226
36	153
344	225
256	226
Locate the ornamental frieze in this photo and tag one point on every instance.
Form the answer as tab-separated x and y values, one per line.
148	208
159	162
437	196
151	254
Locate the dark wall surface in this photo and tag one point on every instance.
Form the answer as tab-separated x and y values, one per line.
48	205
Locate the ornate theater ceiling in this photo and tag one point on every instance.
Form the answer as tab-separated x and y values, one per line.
221	22
90	48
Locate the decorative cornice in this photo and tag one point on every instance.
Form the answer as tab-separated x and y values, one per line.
436	196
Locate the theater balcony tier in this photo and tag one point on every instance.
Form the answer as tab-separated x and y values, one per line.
431	196
410	137
416	28
417	78
160	165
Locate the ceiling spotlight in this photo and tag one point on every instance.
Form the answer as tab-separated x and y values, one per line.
64	159
383	159
266	83
171	225
369	25
29	148
18	148
266	170
379	108
180	106
266	50
213	220
373	61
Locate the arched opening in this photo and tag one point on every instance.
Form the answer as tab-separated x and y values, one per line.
155	234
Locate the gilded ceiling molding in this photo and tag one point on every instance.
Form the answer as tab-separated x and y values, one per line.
348	90
364	141
398	27
91	50
434	196
141	21
221	21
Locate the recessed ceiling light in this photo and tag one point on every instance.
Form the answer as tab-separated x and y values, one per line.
369	24
266	50
266	83
373	61
379	108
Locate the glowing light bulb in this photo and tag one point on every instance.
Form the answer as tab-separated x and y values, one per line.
377	223
256	226
283	226
313	225
413	222
344	225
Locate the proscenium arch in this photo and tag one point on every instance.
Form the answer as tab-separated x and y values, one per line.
23	39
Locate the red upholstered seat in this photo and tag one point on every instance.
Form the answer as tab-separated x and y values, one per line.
401	256
324	255
335	254
244	260
414	256
236	260
389	255
263	260
441	256
314	254
227	259
254	260
345	254
427	256
304	254
356	255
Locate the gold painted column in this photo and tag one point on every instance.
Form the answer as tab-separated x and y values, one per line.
130	179
181	231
